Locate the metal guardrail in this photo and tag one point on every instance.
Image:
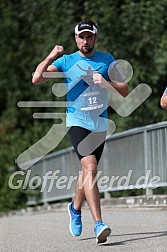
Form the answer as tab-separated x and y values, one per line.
135	158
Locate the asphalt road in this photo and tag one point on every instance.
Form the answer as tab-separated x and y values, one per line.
133	230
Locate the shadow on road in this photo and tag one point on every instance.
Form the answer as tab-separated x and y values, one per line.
144	234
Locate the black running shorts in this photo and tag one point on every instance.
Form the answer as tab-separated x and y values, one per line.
92	145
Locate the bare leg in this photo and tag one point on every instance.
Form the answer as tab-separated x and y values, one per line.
80	194
89	187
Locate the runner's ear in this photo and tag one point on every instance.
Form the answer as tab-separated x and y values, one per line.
75	38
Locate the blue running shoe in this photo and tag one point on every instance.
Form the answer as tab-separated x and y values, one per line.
102	231
75	225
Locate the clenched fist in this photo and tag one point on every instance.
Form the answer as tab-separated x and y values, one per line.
98	79
57	50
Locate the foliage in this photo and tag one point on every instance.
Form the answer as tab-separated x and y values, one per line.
130	30
12	199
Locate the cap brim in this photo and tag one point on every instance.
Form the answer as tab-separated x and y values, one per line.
85	30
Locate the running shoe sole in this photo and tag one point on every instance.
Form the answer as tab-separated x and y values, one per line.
103	234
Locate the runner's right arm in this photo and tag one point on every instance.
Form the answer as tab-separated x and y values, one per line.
45	66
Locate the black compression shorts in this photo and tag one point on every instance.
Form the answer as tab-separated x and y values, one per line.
92	146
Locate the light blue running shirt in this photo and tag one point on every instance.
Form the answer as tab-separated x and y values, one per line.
165	92
86	102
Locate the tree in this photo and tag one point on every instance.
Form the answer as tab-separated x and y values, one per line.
130	30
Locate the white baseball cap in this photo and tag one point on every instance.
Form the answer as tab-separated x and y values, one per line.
85	26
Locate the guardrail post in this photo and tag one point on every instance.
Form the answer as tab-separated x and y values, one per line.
44	193
149	192
107	195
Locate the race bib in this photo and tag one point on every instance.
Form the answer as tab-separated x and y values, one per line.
92	101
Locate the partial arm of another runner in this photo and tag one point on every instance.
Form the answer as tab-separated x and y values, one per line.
163	101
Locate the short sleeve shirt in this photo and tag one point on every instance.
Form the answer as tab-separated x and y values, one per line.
86	102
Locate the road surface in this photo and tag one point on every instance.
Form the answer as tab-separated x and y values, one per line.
133	229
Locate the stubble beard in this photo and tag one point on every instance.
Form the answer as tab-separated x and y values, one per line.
86	50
